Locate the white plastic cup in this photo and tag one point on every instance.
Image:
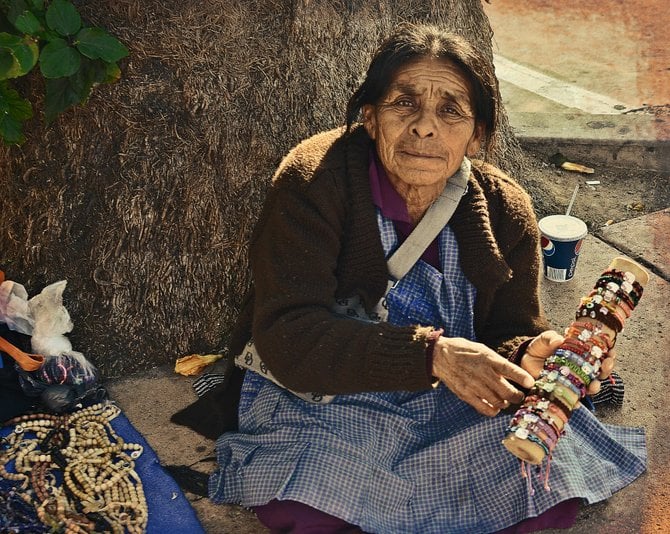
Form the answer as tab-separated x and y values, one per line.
561	240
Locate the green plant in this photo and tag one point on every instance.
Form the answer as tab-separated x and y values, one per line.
72	58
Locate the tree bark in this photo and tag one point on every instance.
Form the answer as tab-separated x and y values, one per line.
144	198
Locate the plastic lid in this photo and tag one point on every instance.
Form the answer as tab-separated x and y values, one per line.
563	227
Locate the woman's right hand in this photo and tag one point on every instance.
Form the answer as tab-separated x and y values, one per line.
478	375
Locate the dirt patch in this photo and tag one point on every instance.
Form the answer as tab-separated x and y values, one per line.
620	194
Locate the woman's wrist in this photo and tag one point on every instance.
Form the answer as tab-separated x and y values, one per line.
430	350
518	354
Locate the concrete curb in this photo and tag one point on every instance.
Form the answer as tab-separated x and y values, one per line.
624	140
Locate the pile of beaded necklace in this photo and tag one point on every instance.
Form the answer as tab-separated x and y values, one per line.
76	472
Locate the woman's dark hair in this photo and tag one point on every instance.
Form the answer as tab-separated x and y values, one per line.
410	42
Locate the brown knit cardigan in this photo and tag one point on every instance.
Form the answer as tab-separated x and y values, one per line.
317	240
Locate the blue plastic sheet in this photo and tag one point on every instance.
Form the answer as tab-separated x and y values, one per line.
169	509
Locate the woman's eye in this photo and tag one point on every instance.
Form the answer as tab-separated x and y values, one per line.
452	111
403	105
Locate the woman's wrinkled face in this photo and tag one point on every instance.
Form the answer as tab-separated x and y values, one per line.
424	125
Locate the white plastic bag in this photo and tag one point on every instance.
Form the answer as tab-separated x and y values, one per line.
51	321
14	309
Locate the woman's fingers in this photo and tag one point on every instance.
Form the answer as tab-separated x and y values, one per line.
543	345
594	387
608	364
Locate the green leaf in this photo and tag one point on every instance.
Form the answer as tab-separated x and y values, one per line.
58	59
85	78
27	22
27	54
13	111
9	40
7	63
15	9
11	130
112	73
60	95
63	17
96	43
24	17
50	35
12	103
23	51
95	70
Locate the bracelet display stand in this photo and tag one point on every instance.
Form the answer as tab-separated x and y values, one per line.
536	427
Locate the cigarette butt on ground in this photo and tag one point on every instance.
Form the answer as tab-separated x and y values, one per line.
561	161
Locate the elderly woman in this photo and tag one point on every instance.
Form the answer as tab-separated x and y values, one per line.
408	435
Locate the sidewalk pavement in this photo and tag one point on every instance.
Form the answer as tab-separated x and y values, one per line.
572	75
588	78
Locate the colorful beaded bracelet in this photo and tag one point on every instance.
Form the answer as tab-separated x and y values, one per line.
565	367
589	368
634	290
523	433
601	315
559	390
587	330
538	426
554	374
537	395
590	353
585	336
620	298
594	354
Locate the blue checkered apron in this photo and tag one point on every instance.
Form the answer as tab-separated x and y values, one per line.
402	462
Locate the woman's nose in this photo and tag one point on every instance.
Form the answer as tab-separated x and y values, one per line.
424	124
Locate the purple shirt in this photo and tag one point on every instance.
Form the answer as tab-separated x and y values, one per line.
393	207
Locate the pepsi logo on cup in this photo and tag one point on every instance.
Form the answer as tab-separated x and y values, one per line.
548	247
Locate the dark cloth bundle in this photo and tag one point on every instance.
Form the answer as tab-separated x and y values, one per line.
13	401
215	411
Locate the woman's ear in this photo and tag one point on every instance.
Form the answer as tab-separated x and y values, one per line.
369	122
475	142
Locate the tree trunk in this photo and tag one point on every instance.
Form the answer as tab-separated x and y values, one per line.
144	198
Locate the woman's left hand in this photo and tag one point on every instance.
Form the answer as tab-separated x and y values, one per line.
539	349
544	345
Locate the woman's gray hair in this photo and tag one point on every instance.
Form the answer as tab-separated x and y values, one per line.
410	42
